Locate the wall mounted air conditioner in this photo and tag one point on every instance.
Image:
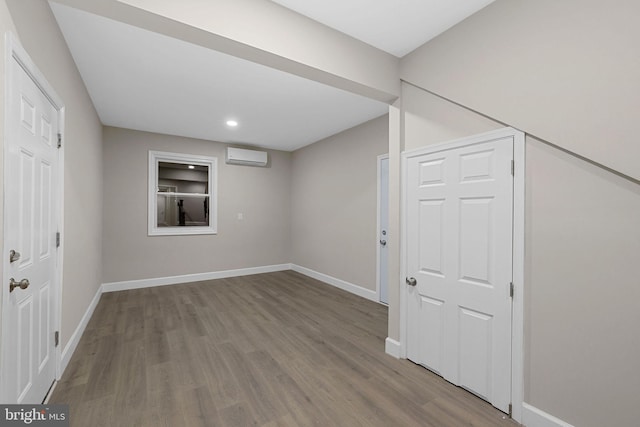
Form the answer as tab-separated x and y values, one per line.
239	156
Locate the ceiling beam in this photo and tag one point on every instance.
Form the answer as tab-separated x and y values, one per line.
266	33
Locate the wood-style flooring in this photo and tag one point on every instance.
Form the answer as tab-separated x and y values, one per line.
276	349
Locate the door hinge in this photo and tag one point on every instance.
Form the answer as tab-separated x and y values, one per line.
57	239
511	289
56	338
513	167
510	410
59	140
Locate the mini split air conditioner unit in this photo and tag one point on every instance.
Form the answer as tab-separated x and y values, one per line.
239	156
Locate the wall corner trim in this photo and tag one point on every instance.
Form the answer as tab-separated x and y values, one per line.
534	417
392	347
74	340
187	278
338	283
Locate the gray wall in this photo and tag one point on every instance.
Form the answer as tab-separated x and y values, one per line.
429	120
38	33
581	303
565	71
582	241
334	196
262	195
315	207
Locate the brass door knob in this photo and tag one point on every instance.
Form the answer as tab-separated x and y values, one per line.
22	284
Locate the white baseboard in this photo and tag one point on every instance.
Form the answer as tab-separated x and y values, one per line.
534	417
338	283
70	348
392	347
187	278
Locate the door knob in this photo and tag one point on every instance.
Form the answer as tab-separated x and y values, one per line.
383	242
22	284
411	281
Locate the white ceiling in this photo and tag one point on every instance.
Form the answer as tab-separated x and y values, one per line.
138	79
395	26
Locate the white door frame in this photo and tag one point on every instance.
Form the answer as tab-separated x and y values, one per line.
15	52
378	206
517	338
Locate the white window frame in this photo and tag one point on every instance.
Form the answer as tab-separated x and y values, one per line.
155	157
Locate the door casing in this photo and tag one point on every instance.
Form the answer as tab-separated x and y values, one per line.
15	53
381	281
517	341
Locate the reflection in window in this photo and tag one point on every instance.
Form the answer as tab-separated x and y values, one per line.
181	195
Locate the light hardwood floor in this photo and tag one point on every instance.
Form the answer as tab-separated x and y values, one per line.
276	349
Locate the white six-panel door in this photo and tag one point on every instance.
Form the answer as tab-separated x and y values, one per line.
30	209
459	204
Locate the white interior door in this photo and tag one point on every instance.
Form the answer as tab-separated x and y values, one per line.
383	227
30	188
459	203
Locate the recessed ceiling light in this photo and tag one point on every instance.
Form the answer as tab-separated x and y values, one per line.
232	123
191	167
